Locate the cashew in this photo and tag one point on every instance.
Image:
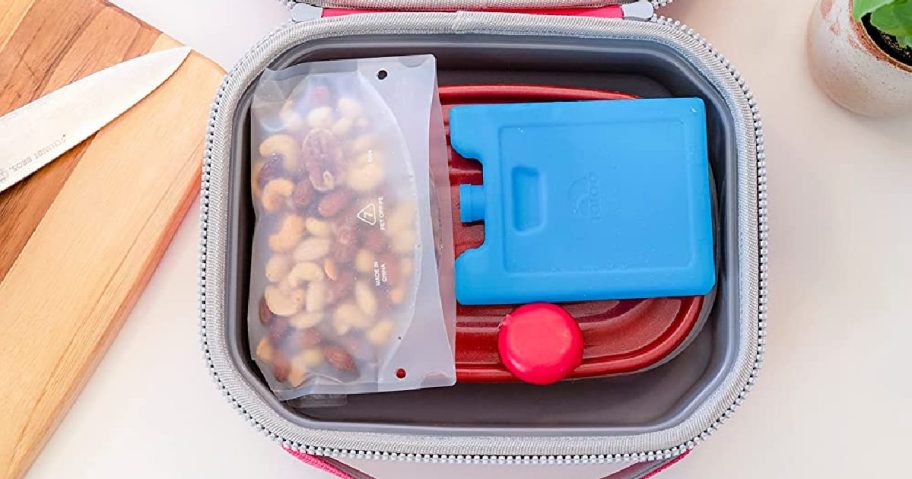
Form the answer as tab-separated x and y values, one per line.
343	127
404	241
305	320
316	297
349	107
318	227
380	333
366	299
321	117
264	350
277	267
304	273
283	145
255	189
275	194
348	316
364	261
290	233
366	177
312	249
283	304
401	218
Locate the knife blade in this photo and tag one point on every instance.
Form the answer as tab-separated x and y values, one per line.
36	134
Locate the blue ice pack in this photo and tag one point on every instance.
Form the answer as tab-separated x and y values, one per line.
586	200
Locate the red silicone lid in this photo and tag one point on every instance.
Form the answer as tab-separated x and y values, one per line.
540	343
620	336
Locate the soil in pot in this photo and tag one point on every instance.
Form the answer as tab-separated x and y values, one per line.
887	43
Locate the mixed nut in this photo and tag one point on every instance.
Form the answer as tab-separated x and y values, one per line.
335	246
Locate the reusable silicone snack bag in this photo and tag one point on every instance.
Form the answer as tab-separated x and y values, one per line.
346	294
645	420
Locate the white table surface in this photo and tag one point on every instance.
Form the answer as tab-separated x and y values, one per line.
835	395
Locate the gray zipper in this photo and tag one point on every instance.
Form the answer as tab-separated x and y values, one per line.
763	236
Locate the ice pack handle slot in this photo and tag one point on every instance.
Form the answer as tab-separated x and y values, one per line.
471	203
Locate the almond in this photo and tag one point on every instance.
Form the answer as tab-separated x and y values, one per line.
339	358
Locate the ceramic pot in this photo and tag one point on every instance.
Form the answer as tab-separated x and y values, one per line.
851	68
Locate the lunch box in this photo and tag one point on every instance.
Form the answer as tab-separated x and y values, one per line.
648	413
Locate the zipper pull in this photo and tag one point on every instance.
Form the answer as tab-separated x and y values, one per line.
303	12
640	10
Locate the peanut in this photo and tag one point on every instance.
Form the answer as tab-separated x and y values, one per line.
380	333
318	227
364	296
402	218
397	295
291	119
316	297
347	316
364	261
343	127
349	107
405	241
365	178
364	143
321	117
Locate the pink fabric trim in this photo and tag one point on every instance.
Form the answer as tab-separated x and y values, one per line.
667	465
320	463
328	465
610	11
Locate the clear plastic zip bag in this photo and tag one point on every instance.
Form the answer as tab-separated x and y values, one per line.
351	275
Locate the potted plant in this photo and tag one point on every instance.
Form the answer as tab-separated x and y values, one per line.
861	54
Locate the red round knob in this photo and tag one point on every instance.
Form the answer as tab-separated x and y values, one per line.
540	343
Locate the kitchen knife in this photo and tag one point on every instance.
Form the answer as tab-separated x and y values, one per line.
41	131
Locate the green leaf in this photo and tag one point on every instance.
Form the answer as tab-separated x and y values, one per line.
864	7
894	19
905	41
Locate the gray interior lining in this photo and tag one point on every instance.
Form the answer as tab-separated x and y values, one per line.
643	402
492	446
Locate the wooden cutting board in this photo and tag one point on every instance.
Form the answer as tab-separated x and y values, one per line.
80	239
